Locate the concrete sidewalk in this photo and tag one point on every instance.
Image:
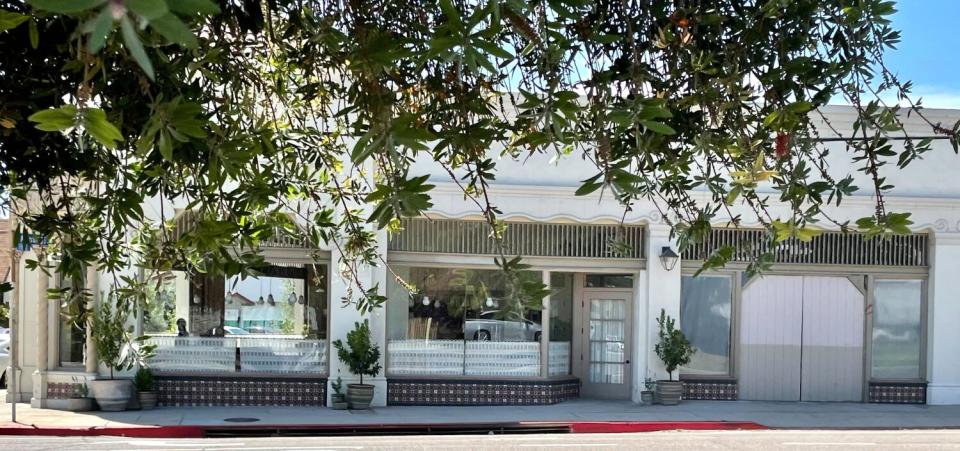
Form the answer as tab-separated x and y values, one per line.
769	414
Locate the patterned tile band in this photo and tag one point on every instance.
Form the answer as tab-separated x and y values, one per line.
433	392
724	390
898	393
62	390
236	391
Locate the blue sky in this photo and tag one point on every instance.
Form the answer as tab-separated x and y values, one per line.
927	55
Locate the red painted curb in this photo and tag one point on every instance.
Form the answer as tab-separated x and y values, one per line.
579	427
609	427
118	431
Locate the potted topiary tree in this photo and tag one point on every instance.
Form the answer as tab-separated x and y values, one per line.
674	350
363	358
118	351
146	388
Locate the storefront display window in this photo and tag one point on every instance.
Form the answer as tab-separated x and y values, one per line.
274	322
561	322
460	322
897	329
705	312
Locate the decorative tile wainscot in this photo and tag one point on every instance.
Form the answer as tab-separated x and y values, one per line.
430	392
898	392
712	390
240	391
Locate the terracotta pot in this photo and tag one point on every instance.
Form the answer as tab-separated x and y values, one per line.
359	396
148	399
669	392
112	395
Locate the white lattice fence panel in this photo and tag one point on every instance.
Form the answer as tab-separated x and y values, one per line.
282	355
498	358
425	357
559	358
196	354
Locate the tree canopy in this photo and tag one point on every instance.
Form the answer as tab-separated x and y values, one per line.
249	110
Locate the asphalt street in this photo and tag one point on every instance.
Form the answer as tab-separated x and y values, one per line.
671	440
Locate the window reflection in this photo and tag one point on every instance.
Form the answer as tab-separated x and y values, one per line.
274	321
460	322
897	329
705	309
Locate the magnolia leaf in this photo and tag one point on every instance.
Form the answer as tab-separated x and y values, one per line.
97	126
56	119
65	6
174	30
659	127
99	28
132	41
192	7
148	9
10	20
34	35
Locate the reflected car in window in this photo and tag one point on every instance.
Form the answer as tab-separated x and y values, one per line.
494	325
231	330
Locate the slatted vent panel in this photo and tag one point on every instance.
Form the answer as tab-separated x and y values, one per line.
450	236
830	248
187	220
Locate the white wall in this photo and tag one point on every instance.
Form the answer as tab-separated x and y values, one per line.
943	315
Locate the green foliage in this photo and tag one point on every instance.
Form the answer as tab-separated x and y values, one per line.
337	386
116	346
673	348
250	112
359	353
143	380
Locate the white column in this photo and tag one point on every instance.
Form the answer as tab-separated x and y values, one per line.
93	279
43	342
943	312
663	292
343	319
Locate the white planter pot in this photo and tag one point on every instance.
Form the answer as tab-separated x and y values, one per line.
112	395
79	404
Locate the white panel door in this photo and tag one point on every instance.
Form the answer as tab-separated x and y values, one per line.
605	370
832	352
770	338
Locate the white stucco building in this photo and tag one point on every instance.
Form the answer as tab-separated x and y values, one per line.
838	319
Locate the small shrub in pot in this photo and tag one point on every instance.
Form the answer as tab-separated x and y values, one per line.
675	351
363	358
146	387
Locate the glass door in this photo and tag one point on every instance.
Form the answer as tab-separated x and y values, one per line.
605	338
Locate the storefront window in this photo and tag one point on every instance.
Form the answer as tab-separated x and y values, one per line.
897	329
561	322
275	322
459	322
705	308
72	333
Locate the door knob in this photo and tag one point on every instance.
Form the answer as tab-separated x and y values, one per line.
627	362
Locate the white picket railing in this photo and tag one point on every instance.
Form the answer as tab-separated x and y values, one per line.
419	357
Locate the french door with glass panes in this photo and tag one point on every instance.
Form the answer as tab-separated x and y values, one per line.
604	344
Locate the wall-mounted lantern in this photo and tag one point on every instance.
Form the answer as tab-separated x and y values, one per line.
668	258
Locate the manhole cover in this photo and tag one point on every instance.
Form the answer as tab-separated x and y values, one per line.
241	420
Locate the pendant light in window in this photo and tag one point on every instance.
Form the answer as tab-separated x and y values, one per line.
260	299
292	299
270	299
